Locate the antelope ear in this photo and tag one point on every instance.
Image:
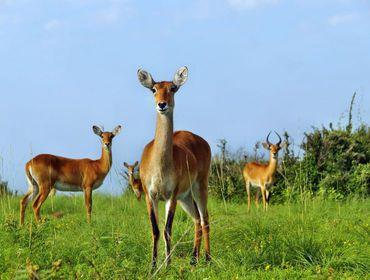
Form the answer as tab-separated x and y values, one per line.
181	76
116	130
266	146
97	130
136	163
145	78
125	164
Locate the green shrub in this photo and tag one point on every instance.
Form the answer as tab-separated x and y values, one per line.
359	181
331	162
4	189
226	181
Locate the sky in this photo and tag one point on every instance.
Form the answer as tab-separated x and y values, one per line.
254	66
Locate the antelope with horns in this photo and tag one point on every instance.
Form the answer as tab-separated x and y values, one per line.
134	182
45	172
174	168
262	175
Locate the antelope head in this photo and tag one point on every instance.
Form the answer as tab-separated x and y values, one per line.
163	91
134	183
274	148
106	137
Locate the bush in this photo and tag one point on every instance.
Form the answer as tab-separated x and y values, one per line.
359	181
334	156
4	189
226	181
335	163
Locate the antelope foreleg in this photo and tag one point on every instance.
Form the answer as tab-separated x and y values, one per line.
153	216
88	202
248	187
170	213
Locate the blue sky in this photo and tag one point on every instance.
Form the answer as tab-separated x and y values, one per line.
254	65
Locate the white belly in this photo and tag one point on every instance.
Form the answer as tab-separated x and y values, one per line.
257	184
64	187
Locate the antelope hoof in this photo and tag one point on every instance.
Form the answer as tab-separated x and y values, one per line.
154	265
193	261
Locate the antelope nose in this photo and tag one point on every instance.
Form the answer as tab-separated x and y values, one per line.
162	105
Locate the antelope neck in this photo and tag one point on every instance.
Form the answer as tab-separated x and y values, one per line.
163	144
105	161
272	163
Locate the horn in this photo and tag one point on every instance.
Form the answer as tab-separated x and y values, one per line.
267	139
278	143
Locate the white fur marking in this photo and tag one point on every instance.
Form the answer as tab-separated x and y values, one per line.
168	204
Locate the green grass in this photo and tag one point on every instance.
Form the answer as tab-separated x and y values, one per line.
319	240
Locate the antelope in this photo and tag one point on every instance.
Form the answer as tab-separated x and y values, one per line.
45	172
135	183
262	175
174	168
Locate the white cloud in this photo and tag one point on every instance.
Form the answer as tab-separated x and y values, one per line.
117	10
52	24
250	4
13	3
109	15
341	19
5	2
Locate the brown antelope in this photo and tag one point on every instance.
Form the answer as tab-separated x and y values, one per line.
45	172
174	167
135	183
262	175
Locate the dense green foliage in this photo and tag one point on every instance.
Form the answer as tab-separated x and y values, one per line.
4	189
335	163
319	239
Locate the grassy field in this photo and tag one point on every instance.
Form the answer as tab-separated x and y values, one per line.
319	240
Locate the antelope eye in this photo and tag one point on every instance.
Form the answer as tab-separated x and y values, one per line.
174	88
154	90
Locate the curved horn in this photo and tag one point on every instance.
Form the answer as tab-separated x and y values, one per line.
267	139
278	143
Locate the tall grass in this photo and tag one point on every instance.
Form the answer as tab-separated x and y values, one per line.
322	239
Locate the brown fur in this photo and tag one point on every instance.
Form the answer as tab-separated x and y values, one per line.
262	175
45	170
134	182
175	167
